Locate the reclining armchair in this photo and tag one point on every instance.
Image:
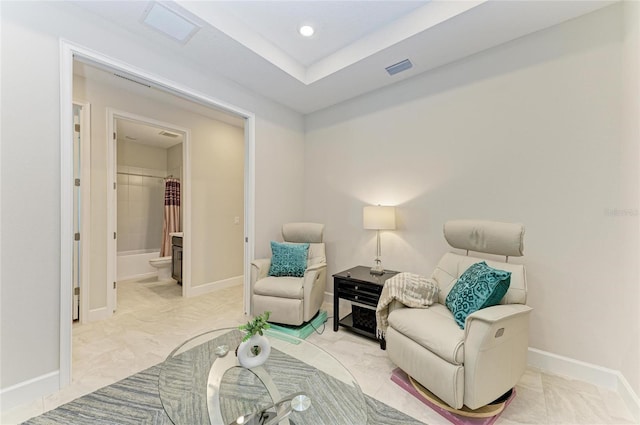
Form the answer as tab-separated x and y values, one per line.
478	363
293	293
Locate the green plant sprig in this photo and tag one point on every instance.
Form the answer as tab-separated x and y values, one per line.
256	326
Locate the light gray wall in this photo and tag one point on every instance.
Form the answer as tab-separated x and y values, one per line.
534	131
30	165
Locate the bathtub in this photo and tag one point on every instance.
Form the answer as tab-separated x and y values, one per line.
135	264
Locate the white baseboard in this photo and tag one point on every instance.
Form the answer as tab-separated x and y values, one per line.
205	288
29	390
138	276
587	372
629	396
99	314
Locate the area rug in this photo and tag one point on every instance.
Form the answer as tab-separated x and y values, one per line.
136	400
482	418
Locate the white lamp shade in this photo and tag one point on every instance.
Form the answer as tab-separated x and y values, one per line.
379	217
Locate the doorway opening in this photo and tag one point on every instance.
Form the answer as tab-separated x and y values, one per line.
147	161
69	53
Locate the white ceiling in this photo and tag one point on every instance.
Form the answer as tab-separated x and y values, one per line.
256	44
337	23
146	134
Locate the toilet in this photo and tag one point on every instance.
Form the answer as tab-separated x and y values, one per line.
163	264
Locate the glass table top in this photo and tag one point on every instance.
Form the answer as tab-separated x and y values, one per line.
199	385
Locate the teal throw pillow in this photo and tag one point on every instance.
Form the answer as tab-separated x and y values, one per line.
288	259
479	286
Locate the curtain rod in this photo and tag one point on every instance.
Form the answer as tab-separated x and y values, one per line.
147	175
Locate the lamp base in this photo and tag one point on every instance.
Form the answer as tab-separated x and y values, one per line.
377	270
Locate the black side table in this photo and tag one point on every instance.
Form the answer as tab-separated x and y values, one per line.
363	289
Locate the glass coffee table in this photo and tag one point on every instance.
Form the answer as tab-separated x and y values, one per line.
299	384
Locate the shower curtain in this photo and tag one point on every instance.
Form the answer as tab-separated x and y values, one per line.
171	222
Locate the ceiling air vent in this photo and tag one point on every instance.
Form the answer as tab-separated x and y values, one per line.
399	67
168	134
169	22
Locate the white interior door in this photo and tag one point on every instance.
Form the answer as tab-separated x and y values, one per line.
114	252
77	212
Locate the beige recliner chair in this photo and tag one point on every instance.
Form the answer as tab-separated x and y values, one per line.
475	365
292	300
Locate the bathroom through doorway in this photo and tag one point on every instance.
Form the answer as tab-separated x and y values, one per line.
149	171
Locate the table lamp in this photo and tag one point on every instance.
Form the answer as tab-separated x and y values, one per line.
378	218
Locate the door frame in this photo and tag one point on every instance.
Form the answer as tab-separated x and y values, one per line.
112	214
68	52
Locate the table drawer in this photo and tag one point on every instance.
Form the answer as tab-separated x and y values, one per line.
359	297
364	288
359	292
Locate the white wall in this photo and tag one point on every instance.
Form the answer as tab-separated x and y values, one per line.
533	131
174	161
280	158
217	168
630	366
174	168
30	165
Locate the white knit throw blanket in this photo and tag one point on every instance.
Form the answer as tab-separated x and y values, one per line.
410	289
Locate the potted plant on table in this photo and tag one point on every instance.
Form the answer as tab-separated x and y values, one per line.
254	348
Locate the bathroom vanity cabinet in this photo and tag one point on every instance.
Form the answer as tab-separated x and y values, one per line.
176	258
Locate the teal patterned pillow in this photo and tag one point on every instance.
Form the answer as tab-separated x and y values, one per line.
479	286
288	259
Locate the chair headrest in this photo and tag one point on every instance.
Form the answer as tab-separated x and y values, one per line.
302	232
490	237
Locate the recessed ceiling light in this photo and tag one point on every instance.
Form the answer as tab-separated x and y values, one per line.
306	30
169	22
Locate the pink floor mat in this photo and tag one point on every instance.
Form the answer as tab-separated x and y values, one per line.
401	378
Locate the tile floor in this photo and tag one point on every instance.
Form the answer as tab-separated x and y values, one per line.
152	319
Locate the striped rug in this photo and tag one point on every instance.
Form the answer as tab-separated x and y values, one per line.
136	400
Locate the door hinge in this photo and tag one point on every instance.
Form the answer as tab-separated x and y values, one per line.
114	285
114	185
77	127
76	291
114	235
246	239
76	236
77	182
114	135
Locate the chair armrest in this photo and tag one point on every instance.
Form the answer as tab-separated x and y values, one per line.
396	305
259	270
495	351
314	284
315	267
311	275
497	313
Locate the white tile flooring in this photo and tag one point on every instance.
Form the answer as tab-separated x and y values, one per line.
152	319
